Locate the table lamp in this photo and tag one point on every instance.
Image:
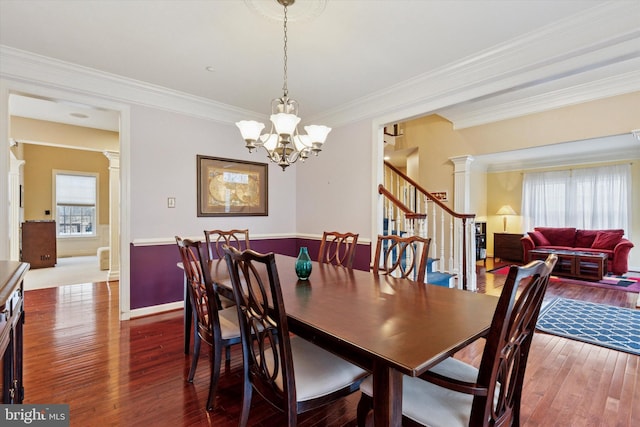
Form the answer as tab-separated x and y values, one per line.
505	210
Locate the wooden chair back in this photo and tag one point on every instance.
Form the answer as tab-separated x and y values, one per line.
404	257
507	347
201	292
267	356
215	239
338	248
205	304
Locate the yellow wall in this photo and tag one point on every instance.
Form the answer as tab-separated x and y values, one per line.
38	178
31	130
437	141
611	116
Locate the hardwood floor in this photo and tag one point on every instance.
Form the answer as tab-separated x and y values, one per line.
115	373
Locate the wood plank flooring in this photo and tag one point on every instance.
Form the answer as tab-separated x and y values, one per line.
131	373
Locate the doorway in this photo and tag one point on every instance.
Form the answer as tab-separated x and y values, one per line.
55	121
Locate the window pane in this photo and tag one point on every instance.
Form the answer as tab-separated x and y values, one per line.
76	204
76	220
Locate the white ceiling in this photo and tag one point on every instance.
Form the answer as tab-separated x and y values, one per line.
528	54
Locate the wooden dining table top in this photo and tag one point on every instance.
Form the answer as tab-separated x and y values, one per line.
369	318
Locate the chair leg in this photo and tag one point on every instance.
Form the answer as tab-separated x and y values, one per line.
216	361
365	405
247	389
194	357
227	363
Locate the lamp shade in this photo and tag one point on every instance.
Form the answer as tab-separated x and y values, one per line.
285	123
301	142
250	129
506	210
317	133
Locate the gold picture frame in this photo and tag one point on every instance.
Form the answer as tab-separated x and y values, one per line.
442	196
228	187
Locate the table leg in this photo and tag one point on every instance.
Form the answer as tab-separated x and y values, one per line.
387	396
188	316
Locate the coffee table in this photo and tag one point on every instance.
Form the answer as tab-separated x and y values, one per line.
574	264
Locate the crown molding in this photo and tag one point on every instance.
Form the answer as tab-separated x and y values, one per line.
558	161
606	35
28	67
615	148
603	36
603	88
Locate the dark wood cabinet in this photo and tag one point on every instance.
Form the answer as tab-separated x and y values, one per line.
11	327
507	246
39	243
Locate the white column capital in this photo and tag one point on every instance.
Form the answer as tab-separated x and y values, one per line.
114	159
461	163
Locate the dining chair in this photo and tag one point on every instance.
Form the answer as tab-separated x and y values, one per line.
216	238
216	327
338	248
404	257
291	373
454	393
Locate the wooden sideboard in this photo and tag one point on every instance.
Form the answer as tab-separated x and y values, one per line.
508	246
11	327
39	243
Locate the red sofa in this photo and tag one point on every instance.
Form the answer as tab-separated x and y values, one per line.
610	242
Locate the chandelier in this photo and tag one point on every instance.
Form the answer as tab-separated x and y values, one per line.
284	144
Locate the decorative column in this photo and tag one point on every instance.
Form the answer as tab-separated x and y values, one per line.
15	195
114	215
462	203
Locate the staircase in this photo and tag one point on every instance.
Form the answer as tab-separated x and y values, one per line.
409	210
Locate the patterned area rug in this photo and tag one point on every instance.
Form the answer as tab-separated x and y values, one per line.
620	283
603	325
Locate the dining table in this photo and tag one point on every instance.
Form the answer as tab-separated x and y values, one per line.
389	326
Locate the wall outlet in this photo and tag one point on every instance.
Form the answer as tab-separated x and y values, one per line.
171	202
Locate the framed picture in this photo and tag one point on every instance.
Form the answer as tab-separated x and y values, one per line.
441	195
228	187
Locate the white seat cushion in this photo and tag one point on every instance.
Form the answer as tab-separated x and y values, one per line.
430	404
229	323
317	371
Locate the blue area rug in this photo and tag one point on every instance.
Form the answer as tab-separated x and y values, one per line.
604	325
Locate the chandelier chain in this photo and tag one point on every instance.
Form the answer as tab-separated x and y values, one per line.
283	143
284	87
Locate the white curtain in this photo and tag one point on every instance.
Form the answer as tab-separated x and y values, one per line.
590	198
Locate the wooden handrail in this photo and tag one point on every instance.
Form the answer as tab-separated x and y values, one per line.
411	214
426	193
408	212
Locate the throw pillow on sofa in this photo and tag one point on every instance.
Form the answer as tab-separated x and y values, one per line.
585	238
607	239
538	238
559	236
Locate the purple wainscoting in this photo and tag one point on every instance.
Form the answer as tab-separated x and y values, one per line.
156	279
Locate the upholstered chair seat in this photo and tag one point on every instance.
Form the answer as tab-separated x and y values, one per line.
318	372
432	405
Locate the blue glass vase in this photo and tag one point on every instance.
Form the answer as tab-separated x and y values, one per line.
303	264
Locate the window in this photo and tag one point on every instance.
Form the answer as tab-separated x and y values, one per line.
589	198
76	196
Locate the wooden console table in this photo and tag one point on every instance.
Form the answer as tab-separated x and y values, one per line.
11	320
508	246
575	264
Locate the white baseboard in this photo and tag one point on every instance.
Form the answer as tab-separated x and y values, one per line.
156	309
